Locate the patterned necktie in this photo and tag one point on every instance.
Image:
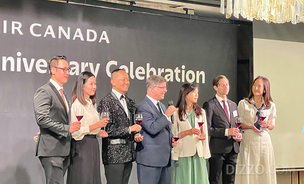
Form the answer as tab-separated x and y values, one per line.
159	108
122	97
62	96
226	109
257	123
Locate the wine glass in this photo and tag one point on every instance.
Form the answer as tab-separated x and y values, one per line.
176	136
104	115
262	115
200	124
79	113
238	123
138	118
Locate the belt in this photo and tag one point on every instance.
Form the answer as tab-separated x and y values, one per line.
117	141
90	136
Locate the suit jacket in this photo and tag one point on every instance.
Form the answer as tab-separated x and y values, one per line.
190	144
117	128
155	149
218	122
53	121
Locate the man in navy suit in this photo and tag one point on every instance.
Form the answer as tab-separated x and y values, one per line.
225	137
154	152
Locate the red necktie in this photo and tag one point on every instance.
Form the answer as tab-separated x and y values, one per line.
226	109
62	96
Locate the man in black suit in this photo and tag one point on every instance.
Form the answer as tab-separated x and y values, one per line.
118	148
51	112
224	142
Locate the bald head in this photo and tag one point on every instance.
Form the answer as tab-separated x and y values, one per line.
120	81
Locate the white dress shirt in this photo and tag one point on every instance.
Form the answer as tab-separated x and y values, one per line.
155	103
58	87
90	116
122	101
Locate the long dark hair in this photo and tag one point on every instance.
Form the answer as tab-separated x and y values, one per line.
182	103
266	93
78	88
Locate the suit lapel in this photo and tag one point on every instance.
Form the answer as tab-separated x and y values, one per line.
221	109
58	96
153	106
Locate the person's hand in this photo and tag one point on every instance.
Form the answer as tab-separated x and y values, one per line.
138	137
264	124
170	110
135	128
238	137
194	131
174	143
102	123
233	131
202	136
255	129
35	138
75	126
103	134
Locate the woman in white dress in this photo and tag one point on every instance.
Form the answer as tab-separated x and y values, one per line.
256	162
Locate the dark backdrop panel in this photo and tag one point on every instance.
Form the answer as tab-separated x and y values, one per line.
141	39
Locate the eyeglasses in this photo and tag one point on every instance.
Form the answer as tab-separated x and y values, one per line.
64	69
163	88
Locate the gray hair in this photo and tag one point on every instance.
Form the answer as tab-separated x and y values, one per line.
154	80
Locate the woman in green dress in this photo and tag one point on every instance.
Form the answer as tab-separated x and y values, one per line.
189	124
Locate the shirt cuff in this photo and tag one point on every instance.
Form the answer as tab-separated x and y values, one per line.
226	132
168	118
129	130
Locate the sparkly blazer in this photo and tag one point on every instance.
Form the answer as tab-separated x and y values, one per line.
118	130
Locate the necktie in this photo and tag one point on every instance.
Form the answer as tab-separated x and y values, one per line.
257	123
226	109
159	108
62	96
122	97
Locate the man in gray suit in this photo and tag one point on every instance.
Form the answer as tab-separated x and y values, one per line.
51	112
154	152
118	148
224	142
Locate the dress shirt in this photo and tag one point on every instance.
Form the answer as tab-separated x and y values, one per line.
222	104
58	87
122	101
247	113
155	103
90	116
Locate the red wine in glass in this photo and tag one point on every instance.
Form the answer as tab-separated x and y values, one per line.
262	118
79	117
175	138
138	122
238	125
200	123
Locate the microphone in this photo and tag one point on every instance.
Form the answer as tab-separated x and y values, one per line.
170	102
